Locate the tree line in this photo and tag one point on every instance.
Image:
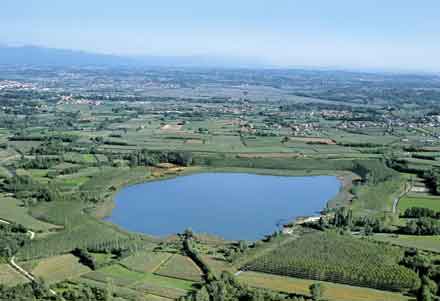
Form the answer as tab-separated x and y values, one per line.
151	158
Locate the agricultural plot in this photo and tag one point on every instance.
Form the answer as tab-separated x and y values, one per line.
332	292
118	274
379	196
146	283
423	202
218	265
102	259
328	256
151	297
10	277
4	173
121	293
164	286
8	154
428	243
146	262
81	231
77	158
162	292
341	136
84	172
114	177
58	268
180	267
12	210
70	183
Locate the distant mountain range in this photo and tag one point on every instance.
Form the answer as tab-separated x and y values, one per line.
42	56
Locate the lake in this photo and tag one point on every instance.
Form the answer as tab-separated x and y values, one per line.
230	205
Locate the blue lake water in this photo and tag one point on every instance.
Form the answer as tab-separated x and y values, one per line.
230	205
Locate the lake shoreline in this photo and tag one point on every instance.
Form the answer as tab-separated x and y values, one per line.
344	179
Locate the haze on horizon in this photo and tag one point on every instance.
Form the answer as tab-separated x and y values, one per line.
373	34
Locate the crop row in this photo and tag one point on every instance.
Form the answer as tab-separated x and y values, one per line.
343	259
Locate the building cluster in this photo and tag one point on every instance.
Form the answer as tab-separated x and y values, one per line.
11	84
69	99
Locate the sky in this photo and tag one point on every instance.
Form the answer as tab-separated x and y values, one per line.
364	34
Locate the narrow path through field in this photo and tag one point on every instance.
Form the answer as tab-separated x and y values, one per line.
31	233
397	199
163	262
21	270
18	268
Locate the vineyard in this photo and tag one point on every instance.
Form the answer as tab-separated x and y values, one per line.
328	256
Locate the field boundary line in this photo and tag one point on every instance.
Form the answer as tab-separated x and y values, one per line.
163	262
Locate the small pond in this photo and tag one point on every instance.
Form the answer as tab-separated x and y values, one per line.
230	205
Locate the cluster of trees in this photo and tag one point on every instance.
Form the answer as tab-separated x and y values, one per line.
227	288
51	147
188	247
317	291
13	237
432	178
19	183
66	171
265	134
422	226
360	144
343	218
151	158
292	107
235	251
33	291
418	212
373	171
402	166
53	136
426	222
39	291
38	163
83	292
428	272
85	258
119	248
424	157
25	187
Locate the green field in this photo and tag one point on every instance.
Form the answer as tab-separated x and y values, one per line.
164	286
180	267
147	283
10	277
332	292
424	202
429	243
116	273
147	262
12	210
58	268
